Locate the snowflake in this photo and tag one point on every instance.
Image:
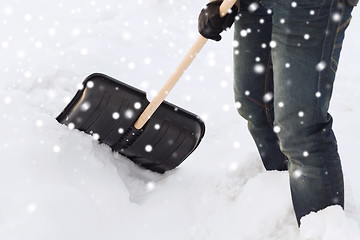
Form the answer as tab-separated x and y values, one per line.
75	32
129	114
21	54
39	123
116	115
235	43
56	148
272	44
51	93
27	74
52	31
5	44
148	148
226	107
85	106
28	17
253	7
38	44
259	68
233	166
7	100
90	84
336	17
243	33
126	36
268	97
137	105
71	126
144	84
297	173
321	66
147	60
277	129
84	51
223	84
236	145
8	10
150	186
96	136
32	207
204	117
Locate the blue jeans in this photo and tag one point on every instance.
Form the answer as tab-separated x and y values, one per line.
285	58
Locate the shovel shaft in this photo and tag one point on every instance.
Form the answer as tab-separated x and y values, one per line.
175	76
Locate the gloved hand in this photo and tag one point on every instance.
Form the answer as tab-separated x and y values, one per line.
210	23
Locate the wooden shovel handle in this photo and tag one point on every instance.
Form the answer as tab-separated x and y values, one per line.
175	76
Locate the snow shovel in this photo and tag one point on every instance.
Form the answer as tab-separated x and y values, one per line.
157	135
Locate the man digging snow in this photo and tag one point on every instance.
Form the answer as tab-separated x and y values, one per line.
286	54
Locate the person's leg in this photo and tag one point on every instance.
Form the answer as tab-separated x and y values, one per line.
253	81
308	36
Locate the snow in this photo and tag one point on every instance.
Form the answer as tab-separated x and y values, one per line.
331	224
58	183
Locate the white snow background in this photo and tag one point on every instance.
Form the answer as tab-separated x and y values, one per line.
57	183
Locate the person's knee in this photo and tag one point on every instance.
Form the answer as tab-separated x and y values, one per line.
253	112
305	137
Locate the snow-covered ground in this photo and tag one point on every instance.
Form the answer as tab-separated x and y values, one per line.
57	183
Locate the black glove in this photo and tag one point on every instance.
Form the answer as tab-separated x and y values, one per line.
211	24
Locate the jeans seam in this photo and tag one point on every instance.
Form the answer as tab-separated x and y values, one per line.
256	102
260	1
337	46
317	115
332	69
323	46
334	61
267	83
337	33
343	25
267	75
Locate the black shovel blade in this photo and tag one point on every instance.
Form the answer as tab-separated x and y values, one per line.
107	109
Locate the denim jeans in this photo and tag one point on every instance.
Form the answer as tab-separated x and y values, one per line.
286	54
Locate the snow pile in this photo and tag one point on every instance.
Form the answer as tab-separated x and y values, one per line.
330	224
59	183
